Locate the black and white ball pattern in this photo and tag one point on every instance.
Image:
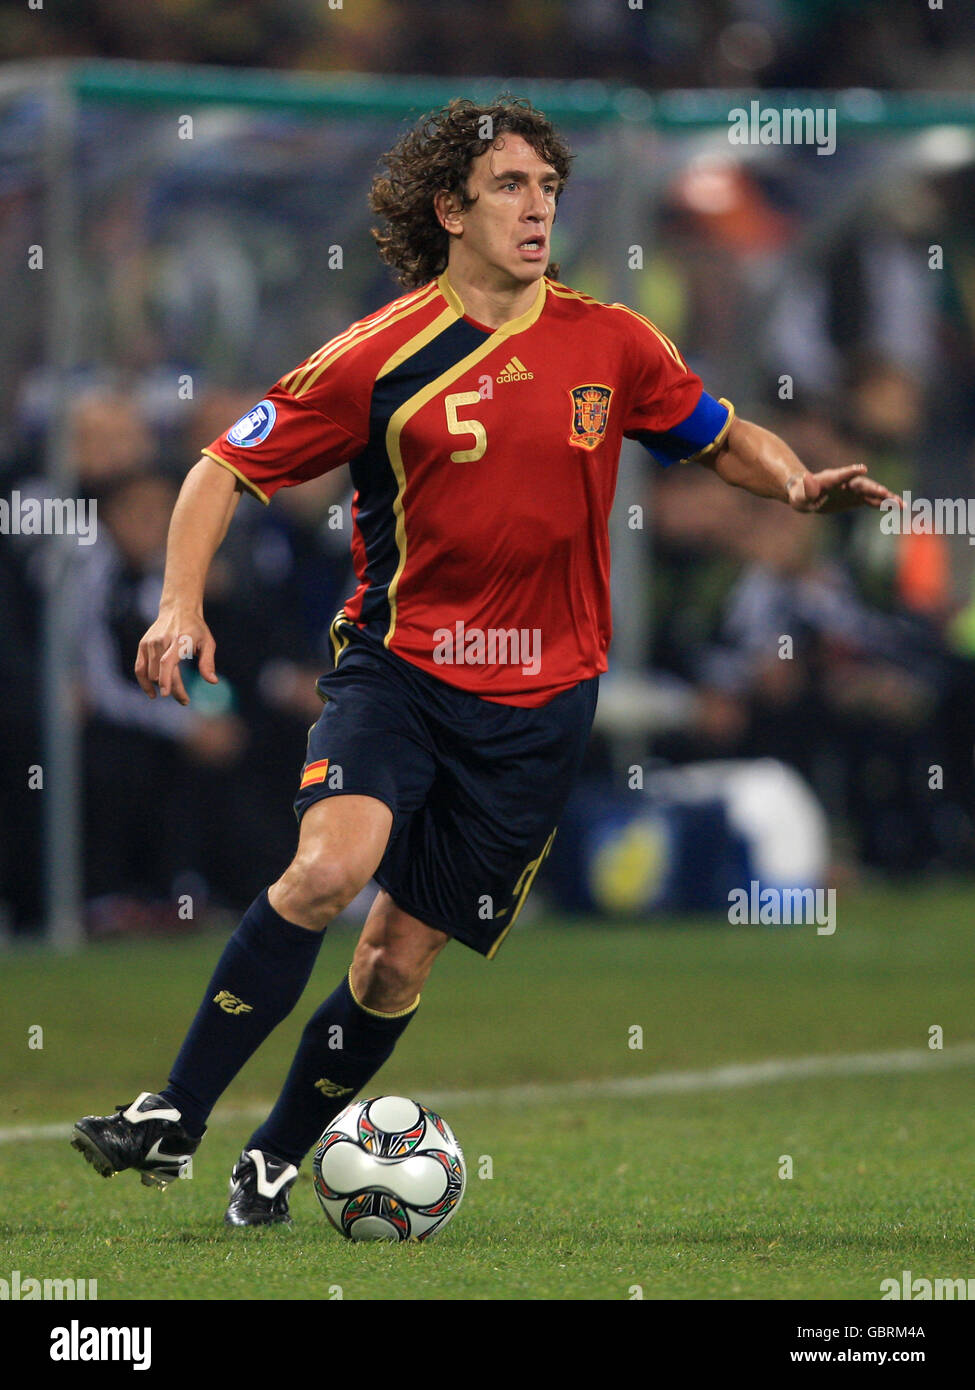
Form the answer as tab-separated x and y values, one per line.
389	1169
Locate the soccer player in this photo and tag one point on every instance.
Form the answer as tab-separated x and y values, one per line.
481	416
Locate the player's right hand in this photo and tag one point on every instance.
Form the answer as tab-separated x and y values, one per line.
172	637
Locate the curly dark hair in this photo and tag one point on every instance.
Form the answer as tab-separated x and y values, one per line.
436	156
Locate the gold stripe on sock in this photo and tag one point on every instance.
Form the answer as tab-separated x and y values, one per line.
377	1013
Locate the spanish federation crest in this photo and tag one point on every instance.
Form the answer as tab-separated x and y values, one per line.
590	415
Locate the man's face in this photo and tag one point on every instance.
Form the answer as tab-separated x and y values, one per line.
504	237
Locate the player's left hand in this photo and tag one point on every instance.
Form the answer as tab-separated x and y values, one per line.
836	490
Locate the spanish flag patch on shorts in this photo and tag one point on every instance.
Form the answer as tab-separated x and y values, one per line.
314	772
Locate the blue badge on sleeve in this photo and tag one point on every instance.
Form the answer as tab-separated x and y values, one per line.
253	427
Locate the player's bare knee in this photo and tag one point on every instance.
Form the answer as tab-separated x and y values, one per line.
387	978
315	889
331	886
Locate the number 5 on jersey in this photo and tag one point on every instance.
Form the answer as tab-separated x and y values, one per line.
457	426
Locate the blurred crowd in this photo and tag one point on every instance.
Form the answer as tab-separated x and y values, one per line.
654	43
835	330
866	355
798	644
178	800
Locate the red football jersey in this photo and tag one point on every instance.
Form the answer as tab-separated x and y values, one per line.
484	465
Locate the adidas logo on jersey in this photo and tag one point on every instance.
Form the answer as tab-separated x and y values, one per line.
515	370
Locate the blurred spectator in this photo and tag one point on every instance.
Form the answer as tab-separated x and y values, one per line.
792	662
20	747
217	776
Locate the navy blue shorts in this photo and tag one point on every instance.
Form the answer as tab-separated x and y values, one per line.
476	789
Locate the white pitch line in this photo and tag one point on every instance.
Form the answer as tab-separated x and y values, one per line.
732	1077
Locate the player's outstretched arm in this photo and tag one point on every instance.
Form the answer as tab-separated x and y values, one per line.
203	511
758	460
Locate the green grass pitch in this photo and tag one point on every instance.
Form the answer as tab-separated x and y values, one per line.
676	1194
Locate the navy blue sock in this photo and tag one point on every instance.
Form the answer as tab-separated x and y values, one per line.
343	1046
258	981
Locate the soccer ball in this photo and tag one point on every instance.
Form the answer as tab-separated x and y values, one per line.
389	1169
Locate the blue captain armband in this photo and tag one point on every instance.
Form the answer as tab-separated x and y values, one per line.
700	434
